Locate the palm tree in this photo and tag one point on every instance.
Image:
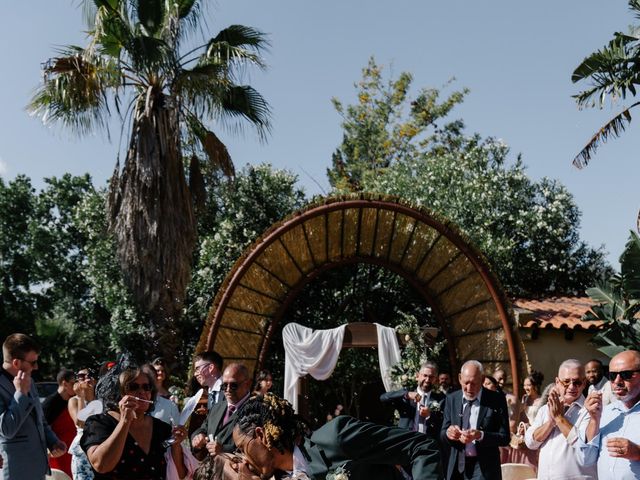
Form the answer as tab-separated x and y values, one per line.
614	71
135	64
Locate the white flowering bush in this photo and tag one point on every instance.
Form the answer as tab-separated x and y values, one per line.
400	146
414	353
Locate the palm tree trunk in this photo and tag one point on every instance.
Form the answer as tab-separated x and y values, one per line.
152	217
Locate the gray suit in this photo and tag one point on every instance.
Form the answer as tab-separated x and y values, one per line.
24	433
213	425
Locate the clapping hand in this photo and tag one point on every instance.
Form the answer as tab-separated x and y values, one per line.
468	436
555	404
454	432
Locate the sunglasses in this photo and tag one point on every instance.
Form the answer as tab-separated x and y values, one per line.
624	375
134	387
575	383
233	386
33	363
83	376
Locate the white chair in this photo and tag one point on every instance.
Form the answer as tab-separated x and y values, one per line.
57	475
517	471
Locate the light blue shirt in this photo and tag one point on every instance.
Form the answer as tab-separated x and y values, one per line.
616	421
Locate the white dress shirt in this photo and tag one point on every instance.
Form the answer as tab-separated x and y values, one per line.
425	398
558	459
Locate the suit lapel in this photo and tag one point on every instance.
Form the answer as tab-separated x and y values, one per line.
484	408
7	385
217	414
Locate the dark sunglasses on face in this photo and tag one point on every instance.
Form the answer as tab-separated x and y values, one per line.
33	363
83	376
624	375
233	386
134	387
575	383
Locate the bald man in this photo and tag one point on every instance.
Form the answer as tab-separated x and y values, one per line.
612	437
475	424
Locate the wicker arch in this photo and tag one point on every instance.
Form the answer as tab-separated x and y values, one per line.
431	253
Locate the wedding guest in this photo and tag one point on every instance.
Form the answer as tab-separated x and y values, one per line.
84	389
264	382
56	412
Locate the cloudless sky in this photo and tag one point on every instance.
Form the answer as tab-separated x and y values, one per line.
515	57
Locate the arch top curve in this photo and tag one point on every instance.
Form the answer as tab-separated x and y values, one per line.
427	250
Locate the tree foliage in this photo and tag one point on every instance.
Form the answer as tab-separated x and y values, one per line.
618	303
528	229
44	290
612	72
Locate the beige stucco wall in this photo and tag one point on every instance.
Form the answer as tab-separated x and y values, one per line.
550	349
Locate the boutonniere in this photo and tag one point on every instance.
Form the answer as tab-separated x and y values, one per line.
434	406
338	474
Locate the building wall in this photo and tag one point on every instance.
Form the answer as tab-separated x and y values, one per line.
551	348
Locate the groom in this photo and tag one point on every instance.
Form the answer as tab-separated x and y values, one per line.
272	440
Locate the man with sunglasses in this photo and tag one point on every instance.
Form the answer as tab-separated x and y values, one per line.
215	434
25	435
613	433
556	427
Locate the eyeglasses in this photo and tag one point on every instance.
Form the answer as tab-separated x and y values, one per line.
199	368
625	375
233	386
33	363
574	382
83	376
134	387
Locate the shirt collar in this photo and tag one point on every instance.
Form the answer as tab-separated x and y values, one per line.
239	404
619	405
478	397
422	393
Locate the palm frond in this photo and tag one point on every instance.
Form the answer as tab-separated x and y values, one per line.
612	71
613	128
243	101
214	148
74	91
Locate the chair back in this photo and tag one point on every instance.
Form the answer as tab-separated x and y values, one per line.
57	475
517	471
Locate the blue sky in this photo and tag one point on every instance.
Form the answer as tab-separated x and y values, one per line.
515	57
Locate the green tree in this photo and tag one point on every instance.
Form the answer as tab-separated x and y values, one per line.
618	303
528	229
45	292
142	63
612	73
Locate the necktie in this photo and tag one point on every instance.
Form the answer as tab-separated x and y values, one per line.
422	427
212	398
466	424
230	410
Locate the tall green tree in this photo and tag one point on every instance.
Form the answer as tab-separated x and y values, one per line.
612	72
43	258
143	62
528	229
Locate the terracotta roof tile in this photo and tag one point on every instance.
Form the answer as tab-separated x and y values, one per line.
555	313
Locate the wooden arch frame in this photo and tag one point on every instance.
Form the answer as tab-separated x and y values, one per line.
430	253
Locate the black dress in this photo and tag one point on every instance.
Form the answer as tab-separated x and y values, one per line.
134	463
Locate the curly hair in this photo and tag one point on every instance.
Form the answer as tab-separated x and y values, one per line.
282	427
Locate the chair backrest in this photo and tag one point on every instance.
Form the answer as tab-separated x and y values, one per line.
57	475
517	471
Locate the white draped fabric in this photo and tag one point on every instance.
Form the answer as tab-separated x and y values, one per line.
388	354
315	352
307	351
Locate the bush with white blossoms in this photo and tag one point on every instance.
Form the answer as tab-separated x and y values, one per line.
414	353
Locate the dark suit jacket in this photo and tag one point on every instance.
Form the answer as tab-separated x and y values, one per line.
407	410
369	451
493	420
213	425
24	433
